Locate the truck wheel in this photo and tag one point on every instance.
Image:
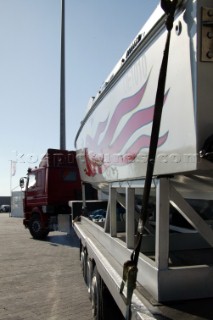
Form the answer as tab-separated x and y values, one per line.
36	229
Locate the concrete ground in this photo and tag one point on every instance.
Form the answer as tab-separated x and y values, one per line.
40	280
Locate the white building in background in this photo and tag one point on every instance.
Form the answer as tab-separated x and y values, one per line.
17	204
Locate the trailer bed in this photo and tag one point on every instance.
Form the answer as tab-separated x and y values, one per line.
143	304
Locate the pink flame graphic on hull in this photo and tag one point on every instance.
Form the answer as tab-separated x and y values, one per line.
97	153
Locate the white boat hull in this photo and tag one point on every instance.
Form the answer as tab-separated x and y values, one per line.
113	141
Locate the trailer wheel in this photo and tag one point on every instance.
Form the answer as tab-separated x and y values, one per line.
89	276
103	304
96	294
36	229
87	268
84	264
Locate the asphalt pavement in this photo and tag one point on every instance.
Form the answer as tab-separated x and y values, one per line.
40	280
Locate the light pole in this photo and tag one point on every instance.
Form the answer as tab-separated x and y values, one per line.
62	82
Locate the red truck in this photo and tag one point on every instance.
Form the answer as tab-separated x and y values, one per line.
49	187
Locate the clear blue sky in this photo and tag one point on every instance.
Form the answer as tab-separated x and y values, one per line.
97	34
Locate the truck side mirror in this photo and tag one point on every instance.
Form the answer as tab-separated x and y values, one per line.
21	183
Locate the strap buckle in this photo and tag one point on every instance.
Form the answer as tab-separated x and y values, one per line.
129	278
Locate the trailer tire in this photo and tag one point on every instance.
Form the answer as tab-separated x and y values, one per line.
89	276
86	267
84	264
103	304
36	229
96	294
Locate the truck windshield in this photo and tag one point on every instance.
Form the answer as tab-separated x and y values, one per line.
32	180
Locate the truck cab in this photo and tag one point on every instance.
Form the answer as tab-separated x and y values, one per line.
48	189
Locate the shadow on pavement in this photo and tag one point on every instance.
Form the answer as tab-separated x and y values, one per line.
70	239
